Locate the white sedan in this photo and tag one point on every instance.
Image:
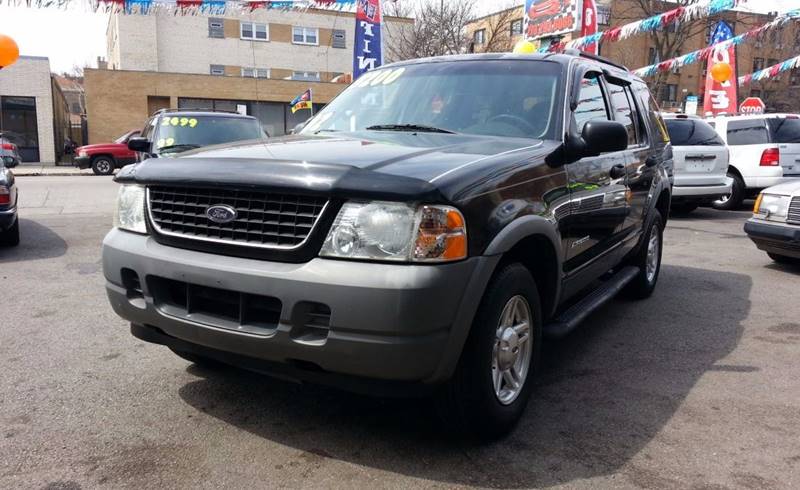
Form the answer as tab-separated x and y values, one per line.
775	225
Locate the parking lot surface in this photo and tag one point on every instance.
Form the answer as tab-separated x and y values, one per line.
697	387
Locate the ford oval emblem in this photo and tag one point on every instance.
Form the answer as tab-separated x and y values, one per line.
221	213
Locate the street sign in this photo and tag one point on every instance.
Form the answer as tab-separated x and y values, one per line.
752	105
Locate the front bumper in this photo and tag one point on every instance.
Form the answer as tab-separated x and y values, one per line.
777	238
84	161
387	322
702	192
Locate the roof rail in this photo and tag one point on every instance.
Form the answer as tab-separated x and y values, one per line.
582	54
193	109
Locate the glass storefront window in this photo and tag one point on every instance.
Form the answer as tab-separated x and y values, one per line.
18	123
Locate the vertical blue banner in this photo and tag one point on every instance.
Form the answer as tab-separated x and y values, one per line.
367	52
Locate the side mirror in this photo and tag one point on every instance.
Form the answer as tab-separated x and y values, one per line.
139	144
604	137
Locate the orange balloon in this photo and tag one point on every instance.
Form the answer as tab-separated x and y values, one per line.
721	72
9	51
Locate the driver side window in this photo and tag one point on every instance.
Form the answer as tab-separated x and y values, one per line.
591	102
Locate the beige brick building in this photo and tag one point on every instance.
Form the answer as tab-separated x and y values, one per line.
254	63
497	32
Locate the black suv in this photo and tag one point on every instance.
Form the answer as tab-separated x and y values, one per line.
423	232
171	131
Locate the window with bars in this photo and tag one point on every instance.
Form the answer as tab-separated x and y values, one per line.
339	39
479	37
217	70
216	28
306	76
758	64
516	27
305	35
253	31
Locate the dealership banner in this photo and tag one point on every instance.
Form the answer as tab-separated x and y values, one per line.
546	18
367	53
721	97
589	25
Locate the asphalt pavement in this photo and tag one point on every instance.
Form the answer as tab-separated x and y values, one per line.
697	387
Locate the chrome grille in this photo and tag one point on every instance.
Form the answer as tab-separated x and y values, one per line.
794	211
265	220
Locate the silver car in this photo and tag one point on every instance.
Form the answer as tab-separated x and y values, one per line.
775	225
701	163
9	153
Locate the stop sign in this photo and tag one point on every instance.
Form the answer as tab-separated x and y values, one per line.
752	105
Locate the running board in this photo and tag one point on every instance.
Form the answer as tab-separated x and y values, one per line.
567	321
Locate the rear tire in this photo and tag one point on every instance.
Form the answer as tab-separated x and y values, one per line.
103	166
495	374
10	237
734	200
648	260
782	259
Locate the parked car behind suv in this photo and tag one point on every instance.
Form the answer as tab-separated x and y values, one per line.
775	225
103	158
9	152
764	151
172	131
701	163
9	221
421	233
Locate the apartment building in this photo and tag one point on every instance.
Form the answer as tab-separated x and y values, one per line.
255	63
501	30
312	45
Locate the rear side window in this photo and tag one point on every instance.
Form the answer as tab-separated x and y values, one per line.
692	132
747	132
622	111
591	103
784	130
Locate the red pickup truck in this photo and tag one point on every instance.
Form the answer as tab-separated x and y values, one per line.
103	158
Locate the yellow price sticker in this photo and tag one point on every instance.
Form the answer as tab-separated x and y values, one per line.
192	122
170	141
161	142
174	121
184	121
165	121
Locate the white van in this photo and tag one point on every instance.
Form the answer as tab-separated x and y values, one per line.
764	151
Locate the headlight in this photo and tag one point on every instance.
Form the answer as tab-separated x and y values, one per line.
81	153
398	232
772	207
129	211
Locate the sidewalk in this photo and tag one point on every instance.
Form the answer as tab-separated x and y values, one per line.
47	169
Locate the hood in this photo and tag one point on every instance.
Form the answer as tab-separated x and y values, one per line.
101	146
385	164
790	188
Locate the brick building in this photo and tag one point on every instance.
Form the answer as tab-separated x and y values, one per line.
500	30
32	109
254	64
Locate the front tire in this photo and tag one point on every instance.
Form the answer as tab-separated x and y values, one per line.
782	259
495	374
732	201
103	166
10	237
648	260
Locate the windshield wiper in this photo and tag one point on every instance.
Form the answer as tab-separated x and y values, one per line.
181	147
409	127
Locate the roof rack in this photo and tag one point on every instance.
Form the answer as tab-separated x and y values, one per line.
193	109
576	52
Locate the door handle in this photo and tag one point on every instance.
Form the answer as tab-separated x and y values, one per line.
617	171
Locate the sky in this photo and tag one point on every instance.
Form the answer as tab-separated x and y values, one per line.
76	36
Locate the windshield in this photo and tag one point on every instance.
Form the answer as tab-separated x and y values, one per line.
785	130
181	133
516	98
692	132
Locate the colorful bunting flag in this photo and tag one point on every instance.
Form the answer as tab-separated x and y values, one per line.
302	101
771	71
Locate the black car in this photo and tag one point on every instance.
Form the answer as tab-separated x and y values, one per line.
9	222
422	233
171	131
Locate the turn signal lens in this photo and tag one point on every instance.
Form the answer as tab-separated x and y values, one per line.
5	195
757	205
770	158
441	236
